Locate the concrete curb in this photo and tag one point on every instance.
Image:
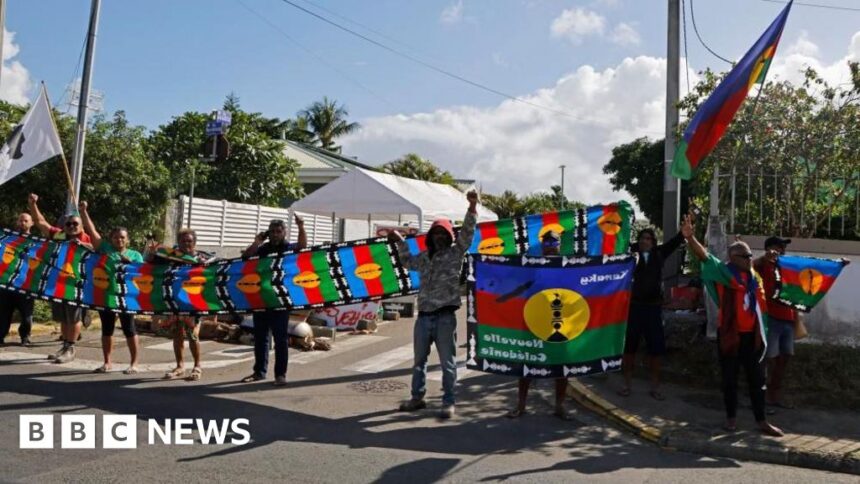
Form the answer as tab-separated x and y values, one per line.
699	443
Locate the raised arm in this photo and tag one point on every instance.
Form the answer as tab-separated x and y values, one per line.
38	219
467	231
409	261
303	236
695	246
89	226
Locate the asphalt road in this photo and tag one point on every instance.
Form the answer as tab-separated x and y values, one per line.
334	422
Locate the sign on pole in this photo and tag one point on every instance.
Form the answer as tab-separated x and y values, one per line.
215	127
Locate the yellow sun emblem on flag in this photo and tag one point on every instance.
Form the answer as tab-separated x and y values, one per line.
249	283
610	223
810	281
556	315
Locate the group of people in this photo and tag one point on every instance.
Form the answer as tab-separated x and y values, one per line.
738	285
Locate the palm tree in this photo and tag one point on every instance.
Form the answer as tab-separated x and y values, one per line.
327	121
413	166
506	205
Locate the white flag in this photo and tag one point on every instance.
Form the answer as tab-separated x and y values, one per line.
33	141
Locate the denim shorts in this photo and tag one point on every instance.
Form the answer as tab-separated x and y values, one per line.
780	337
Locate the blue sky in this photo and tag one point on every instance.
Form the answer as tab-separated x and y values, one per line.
159	58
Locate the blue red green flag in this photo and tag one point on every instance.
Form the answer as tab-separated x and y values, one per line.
803	281
716	113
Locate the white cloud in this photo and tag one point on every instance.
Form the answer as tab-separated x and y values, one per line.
512	146
453	13
15	84
791	62
574	24
625	34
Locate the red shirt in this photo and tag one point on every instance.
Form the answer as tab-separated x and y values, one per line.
775	309
744	318
58	234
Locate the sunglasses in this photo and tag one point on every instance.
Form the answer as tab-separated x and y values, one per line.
72	224
550	243
744	256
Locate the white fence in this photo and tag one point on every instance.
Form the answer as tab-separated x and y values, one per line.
220	223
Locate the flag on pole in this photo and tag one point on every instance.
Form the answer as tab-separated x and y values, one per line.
714	115
32	142
803	281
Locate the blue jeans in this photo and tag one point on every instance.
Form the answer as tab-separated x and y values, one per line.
440	329
276	322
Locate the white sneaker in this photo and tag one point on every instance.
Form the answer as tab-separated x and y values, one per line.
67	356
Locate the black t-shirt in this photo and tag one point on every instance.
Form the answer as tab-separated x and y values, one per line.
269	249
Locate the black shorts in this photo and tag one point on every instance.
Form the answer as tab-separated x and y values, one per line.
126	321
645	320
68	314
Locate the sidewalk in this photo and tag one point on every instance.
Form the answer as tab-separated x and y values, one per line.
691	420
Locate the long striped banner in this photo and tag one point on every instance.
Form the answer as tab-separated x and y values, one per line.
327	275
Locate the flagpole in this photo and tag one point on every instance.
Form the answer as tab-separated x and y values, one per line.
62	151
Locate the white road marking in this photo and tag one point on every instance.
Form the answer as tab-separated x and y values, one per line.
383	361
82	364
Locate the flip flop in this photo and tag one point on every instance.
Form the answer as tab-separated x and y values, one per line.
102	369
174	373
624	392
131	370
515	413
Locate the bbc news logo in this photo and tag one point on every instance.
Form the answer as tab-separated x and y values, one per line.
120	431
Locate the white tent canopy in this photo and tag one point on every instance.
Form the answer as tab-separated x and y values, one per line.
361	194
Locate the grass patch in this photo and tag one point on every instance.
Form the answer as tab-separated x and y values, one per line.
819	376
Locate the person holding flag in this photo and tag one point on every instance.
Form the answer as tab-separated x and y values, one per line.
275	322
71	317
11	301
181	327
738	291
117	251
438	300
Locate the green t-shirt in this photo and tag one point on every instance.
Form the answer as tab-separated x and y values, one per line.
115	256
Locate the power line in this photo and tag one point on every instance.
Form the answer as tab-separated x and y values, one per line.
427	64
818	5
696	29
314	54
68	88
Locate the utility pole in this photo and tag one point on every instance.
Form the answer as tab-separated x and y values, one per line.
83	104
671	185
2	29
561	203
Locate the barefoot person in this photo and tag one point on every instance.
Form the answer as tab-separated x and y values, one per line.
550	245
275	322
12	301
117	251
737	290
438	299
181	327
71	317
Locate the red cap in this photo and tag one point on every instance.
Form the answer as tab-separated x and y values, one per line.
445	224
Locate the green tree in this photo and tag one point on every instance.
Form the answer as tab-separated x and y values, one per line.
505	205
123	186
257	171
413	166
509	204
327	121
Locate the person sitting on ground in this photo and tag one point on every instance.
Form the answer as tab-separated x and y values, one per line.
11	301
275	322
646	308
71	317
737	289
117	251
438	300
182	327
550	246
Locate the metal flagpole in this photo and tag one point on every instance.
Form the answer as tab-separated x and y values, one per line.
83	103
2	29
671	185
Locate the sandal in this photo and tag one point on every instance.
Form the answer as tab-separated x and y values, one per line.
102	369
624	392
131	370
562	414
177	372
196	373
656	395
515	413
